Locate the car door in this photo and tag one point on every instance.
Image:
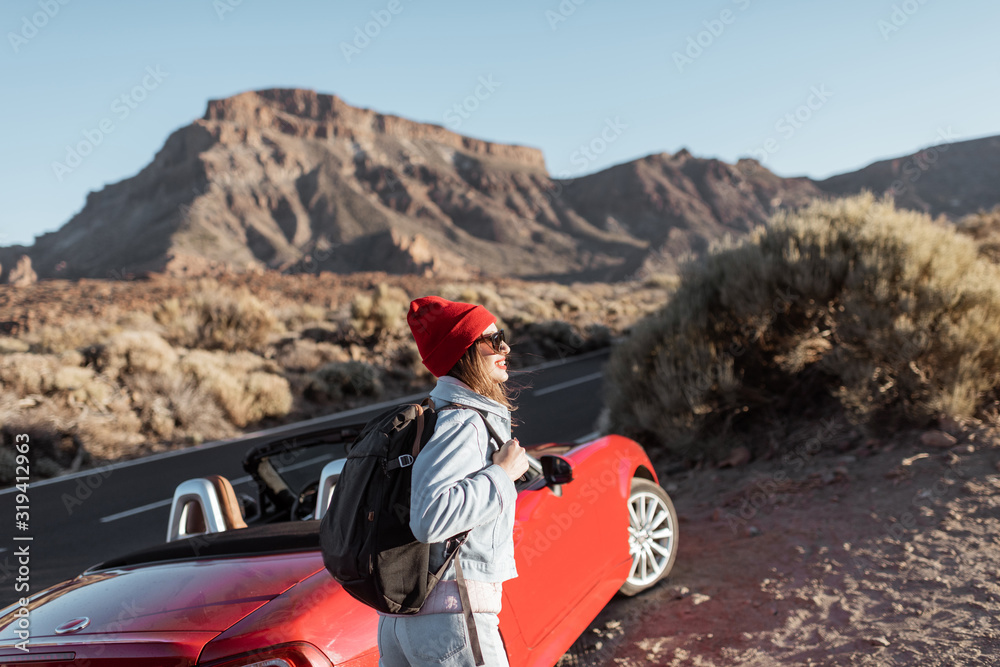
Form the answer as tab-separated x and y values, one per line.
566	541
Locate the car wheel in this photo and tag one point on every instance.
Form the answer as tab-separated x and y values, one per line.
652	535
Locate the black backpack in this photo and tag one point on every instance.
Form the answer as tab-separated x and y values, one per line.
365	535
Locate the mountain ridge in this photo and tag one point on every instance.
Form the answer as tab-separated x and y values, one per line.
293	180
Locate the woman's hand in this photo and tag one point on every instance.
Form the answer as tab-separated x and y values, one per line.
512	458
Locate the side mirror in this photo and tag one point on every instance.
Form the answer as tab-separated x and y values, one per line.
556	469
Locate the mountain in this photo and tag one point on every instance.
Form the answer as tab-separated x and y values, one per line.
294	180
953	179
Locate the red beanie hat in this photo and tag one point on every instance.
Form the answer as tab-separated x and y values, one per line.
444	330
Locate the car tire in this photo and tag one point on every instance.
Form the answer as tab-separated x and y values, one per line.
652	536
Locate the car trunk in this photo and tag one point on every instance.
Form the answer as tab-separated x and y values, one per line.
141	649
156	605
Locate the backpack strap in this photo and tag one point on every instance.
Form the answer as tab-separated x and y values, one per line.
489	427
463	588
407	459
470	620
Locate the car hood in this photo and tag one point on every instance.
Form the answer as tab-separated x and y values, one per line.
188	596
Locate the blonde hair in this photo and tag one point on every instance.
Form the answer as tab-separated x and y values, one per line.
473	370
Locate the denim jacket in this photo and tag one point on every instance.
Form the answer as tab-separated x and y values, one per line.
457	487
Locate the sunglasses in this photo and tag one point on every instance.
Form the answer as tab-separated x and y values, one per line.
496	340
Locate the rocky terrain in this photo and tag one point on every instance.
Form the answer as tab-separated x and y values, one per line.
104	370
293	180
845	551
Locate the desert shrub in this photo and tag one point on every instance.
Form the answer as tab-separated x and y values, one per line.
178	321
555	339
340	379
241	383
217	318
82	386
232	320
482	294
72	334
305	354
26	373
881	310
379	314
409	364
294	316
661	279
175	406
11	345
132	352
562	298
113	436
51	451
48	374
984	227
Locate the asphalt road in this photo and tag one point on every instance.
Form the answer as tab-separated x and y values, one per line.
88	517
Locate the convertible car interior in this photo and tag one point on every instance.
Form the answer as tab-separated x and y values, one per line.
287	486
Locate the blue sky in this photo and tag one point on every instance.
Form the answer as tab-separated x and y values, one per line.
832	85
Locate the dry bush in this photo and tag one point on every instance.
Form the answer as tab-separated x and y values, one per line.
562	298
51	375
133	352
178	320
302	355
72	334
380	314
111	437
11	345
412	366
217	318
479	293
555	339
232	321
241	384
340	379
522	306
175	407
26	373
882	310
55	445
665	280
295	316
50	454
984	227
83	387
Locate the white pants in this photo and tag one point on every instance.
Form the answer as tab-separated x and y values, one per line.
438	639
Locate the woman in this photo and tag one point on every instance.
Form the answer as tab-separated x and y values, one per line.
462	481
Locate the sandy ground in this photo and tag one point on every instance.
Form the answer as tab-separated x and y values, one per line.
884	554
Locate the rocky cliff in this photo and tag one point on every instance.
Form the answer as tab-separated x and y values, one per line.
296	181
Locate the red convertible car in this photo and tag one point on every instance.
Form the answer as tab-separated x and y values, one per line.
242	583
